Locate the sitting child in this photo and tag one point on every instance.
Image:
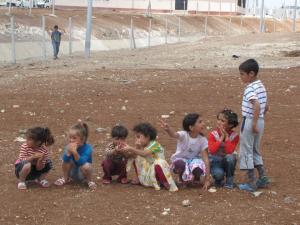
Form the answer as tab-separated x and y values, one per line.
77	158
190	160
222	142
151	167
116	159
33	162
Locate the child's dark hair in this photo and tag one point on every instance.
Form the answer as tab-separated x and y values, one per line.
81	129
249	65
189	120
40	134
146	129
55	27
119	131
231	117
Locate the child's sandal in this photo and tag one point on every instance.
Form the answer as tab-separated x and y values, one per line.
44	183
92	185
22	186
60	181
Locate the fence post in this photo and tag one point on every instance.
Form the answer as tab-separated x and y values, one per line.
132	41
274	25
149	32
43	36
166	30
9	7
53	7
179	28
89	14
30	6
205	26
13	44
70	35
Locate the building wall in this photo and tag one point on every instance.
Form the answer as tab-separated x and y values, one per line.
224	6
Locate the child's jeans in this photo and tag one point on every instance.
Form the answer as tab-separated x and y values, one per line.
222	166
111	168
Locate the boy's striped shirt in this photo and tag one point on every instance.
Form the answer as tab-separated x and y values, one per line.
255	90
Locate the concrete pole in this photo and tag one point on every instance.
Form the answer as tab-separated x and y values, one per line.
30	7
132	41
261	22
149	32
9	7
230	18
294	19
179	28
208	10
70	35
220	7
53	7
184	6
13	44
88	29
132	4
171	7
44	38
197	7
166	30
205	26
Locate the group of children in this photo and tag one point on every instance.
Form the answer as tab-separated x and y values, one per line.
195	156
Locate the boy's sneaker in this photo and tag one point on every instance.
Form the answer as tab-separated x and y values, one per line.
262	182
229	183
246	187
219	183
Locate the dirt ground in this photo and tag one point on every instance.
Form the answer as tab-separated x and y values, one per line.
197	77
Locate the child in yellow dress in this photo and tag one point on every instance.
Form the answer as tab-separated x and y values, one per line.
151	167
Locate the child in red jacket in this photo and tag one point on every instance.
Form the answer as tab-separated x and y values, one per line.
222	142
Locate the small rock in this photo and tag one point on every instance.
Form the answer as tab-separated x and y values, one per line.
288	90
212	190
2	110
257	193
165	213
123	108
186	203
165	116
62	111
100	130
289	200
16	106
20	139
22	131
172	112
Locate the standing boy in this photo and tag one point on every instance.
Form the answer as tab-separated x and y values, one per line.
55	38
254	107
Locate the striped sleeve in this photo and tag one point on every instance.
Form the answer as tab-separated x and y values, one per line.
23	155
250	93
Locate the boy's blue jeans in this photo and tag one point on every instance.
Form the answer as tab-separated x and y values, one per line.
55	48
223	166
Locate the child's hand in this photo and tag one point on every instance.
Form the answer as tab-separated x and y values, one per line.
72	148
163	125
254	129
206	184
38	155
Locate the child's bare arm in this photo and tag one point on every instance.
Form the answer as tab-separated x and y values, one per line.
135	151
256	107
168	129
204	155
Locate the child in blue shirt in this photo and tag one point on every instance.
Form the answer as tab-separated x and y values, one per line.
77	158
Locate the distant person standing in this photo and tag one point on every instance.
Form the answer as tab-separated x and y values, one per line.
55	38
